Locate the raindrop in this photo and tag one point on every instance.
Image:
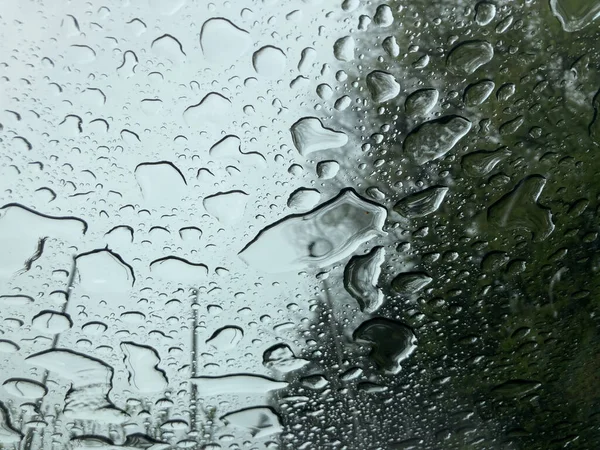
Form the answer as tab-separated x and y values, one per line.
226	338
360	279
269	62
477	93
434	139
383	16
421	102
236	384
391	47
304	199
343	49
51	322
227	207
484	13
467	57
421	203
90	384
391	342
520	210
142	363
382	86
280	357
22	388
408	283
309	135
223	42
169	47
327	169
259	422
482	162
178	270
328	234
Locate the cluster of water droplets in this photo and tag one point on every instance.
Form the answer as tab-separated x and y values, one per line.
208	211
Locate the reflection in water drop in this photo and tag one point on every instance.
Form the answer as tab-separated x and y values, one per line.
360	279
81	54
15	300
161	183
103	271
391	47
212	109
178	270
304	199
391	341
407	283
484	13
51	322
315	382
383	16
23	233
229	149
328	234
515	388
7	346
169	47
327	169
482	162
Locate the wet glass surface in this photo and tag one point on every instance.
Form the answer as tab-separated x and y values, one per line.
302	224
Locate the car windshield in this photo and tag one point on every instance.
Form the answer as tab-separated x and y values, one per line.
299	224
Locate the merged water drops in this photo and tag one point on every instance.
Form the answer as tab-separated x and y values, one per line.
329	233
